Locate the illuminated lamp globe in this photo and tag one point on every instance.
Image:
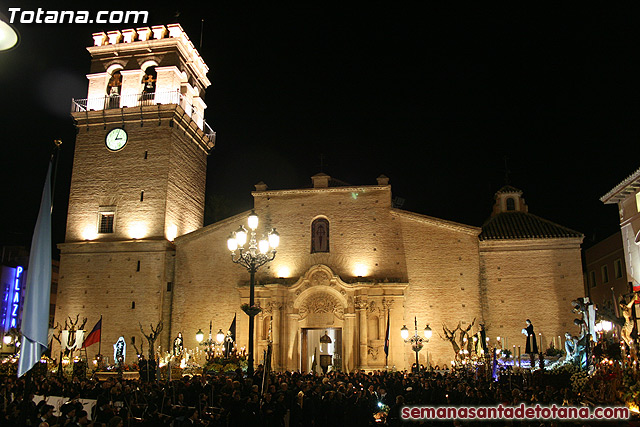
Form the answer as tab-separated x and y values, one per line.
263	246
253	220
241	236
232	243
7	339
199	335
404	332
8	36
428	332
220	336
274	238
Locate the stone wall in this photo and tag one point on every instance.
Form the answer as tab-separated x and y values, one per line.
105	279
442	261
530	279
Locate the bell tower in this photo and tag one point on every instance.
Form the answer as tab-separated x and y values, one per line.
138	179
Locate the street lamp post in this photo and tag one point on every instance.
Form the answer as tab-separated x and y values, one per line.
210	344
253	257
416	340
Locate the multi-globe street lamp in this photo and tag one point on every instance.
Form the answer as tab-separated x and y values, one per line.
210	344
252	257
416	340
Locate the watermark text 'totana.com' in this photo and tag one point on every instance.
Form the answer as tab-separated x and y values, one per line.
522	412
40	16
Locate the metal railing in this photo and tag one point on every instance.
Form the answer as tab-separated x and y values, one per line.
109	102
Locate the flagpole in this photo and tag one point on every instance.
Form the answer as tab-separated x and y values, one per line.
100	340
387	343
56	154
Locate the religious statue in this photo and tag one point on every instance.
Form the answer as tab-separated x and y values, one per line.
626	309
532	344
570	347
228	344
177	345
119	351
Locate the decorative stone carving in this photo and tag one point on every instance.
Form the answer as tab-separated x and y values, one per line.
279	305
320	278
373	351
273	305
321	303
373	307
360	303
387	303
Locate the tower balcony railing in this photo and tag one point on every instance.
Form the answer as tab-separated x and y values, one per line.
110	102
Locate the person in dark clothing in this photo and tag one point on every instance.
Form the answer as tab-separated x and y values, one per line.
532	345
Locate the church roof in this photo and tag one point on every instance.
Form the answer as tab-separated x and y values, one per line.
621	191
523	225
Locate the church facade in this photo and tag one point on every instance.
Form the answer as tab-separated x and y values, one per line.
349	265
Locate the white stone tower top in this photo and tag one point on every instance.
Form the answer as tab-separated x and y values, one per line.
146	66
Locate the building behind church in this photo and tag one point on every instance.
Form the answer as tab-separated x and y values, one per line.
349	262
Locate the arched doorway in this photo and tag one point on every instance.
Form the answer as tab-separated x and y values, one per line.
320	322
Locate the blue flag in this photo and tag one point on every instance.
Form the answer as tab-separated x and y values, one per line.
35	313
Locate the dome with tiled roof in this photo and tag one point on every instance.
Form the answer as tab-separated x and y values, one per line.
511	220
523	225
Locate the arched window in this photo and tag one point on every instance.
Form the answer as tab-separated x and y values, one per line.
149	85
114	87
511	204
320	235
115	84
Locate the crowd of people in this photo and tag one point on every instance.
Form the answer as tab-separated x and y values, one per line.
288	398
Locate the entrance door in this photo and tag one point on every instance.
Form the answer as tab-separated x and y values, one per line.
318	353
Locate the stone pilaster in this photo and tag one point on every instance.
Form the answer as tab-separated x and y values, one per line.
361	308
275	336
349	336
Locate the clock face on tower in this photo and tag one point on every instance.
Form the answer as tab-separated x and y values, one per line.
116	139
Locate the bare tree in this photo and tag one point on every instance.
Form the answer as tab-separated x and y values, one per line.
71	326
464	333
152	337
459	338
138	352
450	336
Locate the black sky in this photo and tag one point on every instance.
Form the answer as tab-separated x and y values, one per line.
432	98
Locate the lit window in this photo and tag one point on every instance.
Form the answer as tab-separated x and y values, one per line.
320	235
106	222
605	274
638	201
617	266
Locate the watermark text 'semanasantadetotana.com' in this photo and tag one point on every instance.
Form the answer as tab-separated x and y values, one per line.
41	16
522	412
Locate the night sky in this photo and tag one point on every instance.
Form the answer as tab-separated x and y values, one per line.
433	98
